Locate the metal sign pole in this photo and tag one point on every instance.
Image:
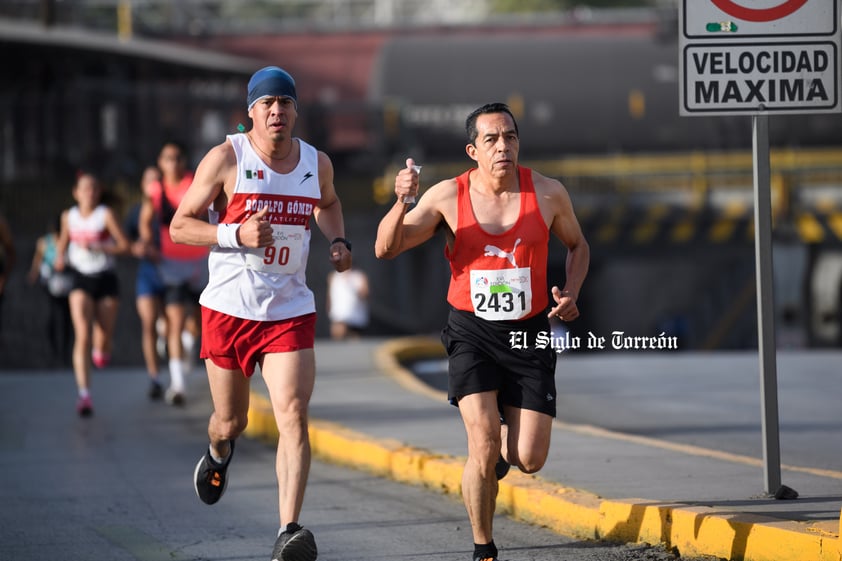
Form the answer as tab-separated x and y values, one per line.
721	44
765	302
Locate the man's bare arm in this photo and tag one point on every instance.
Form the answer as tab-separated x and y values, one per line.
328	215
402	229
145	247
565	227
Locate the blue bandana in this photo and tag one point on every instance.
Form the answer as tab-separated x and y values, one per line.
271	82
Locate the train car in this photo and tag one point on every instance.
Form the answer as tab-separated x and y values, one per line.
577	87
572	94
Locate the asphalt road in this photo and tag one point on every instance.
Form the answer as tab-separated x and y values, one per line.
118	487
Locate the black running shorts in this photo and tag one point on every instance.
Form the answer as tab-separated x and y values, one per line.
481	358
99	285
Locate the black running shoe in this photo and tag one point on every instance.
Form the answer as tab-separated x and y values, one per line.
295	544
156	391
209	478
501	468
486	552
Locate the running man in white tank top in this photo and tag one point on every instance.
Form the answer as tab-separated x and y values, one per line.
262	188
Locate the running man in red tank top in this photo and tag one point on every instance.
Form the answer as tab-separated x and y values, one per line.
497	218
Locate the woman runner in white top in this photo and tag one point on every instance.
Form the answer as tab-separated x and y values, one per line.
90	237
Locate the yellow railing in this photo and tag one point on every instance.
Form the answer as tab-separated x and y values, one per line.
650	191
696	173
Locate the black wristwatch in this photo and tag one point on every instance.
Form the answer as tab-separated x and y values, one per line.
342	240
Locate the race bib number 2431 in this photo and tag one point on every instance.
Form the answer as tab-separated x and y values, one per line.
501	294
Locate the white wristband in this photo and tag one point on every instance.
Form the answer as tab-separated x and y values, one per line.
226	235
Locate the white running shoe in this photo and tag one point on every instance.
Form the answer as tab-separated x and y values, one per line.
174	397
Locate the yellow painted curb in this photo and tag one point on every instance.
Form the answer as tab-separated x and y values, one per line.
694	531
523	496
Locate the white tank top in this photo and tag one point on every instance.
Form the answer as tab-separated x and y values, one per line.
346	304
88	234
269	283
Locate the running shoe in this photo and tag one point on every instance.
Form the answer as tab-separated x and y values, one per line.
156	391
501	468
209	477
84	406
174	397
295	544
486	553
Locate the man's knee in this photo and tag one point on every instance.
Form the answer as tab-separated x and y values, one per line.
485	450
528	454
292	414
531	465
231	427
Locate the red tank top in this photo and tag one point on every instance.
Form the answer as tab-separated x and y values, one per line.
499	276
165	200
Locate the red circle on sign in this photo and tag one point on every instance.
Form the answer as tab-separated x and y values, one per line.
753	14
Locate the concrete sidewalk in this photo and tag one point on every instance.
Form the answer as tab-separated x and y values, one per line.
369	412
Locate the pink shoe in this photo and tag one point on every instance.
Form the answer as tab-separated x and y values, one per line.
100	359
85	407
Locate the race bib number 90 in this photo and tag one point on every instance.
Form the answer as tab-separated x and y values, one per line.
283	256
504	294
